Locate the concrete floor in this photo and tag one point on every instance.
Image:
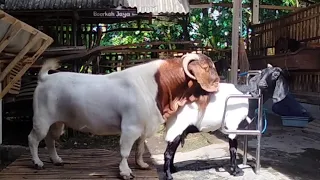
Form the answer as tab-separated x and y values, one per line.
286	153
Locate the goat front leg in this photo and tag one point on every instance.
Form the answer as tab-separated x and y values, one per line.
168	166
235	170
139	154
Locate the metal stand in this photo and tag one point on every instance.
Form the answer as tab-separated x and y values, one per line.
257	132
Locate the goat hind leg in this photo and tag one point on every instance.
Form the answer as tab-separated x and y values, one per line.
235	170
37	134
139	154
55	131
127	139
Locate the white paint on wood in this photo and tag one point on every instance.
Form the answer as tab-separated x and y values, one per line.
255	11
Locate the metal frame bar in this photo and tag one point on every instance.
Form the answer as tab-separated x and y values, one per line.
257	132
245	137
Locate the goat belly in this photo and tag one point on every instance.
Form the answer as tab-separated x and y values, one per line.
85	103
236	110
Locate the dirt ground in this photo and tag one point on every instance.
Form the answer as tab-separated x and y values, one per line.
286	153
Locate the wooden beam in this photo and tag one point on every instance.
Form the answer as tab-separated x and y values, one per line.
11	20
11	33
129	29
20	55
30	61
13	81
6	17
273	7
229	5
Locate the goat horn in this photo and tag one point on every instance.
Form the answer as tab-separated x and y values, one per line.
186	60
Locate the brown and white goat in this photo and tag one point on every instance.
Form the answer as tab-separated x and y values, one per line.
133	102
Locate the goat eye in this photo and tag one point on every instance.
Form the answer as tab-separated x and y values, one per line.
275	74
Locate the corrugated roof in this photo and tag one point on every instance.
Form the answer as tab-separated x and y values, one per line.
160	6
61	4
143	6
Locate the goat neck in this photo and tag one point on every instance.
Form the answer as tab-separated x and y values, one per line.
176	88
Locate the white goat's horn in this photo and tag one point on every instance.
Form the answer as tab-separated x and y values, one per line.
186	60
269	65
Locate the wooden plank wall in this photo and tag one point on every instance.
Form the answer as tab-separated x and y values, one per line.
306	86
117	60
62	32
302	25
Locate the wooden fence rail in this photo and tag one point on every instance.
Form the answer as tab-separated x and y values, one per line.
302	25
304	63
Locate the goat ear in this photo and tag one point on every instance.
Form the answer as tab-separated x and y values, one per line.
205	74
281	90
253	85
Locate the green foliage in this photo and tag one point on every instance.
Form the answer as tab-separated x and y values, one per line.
159	31
267	15
212	26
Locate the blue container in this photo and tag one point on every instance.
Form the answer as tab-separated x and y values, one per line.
294	121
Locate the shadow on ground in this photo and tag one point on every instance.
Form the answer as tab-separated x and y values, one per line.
299	166
286	153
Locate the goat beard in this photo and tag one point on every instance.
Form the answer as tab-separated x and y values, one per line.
188	97
174	105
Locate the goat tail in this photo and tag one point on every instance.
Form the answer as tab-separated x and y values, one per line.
49	64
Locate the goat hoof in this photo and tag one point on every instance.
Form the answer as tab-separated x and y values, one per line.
144	166
173	169
125	177
237	172
168	178
132	176
38	165
58	162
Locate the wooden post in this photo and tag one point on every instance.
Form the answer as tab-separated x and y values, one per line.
1	113
186	35
75	27
255	12
74	32
237	9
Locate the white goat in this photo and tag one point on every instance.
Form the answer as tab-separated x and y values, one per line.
272	83
237	110
133	102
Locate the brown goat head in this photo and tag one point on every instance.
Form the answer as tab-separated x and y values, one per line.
202	69
187	79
